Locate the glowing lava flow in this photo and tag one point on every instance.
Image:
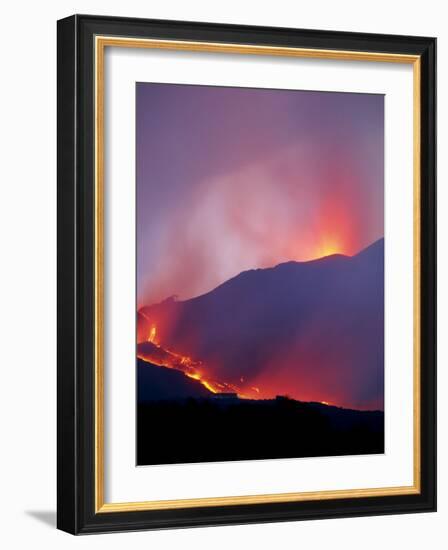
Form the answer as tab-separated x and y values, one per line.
152	352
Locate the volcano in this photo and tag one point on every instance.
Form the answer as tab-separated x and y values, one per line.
312	330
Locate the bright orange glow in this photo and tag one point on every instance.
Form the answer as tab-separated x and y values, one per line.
208	386
334	230
329	245
153	335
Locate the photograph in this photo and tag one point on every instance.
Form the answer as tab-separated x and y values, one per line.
260	273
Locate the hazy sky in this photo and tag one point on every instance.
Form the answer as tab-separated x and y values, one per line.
230	179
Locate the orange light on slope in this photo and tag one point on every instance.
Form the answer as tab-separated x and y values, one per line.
161	356
208	386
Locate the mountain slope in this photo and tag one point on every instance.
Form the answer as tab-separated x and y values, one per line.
313	330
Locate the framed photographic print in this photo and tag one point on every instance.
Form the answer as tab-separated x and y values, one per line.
246	274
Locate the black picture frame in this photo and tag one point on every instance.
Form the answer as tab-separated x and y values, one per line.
76	512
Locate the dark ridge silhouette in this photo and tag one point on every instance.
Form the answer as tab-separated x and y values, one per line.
193	425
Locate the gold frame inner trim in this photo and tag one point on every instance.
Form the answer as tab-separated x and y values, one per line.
101	42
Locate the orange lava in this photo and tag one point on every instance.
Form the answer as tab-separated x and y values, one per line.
152	352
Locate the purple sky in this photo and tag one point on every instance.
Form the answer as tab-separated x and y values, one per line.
230	179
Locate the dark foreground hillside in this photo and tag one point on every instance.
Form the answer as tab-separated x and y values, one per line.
209	429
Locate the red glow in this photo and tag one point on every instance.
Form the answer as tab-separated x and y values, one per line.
335	230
